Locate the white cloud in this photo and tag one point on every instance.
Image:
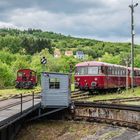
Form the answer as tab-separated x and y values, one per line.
103	19
7	25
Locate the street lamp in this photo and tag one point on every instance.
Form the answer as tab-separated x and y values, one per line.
132	6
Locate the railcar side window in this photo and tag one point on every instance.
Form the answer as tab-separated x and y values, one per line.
116	72
113	71
93	70
119	72
109	70
54	83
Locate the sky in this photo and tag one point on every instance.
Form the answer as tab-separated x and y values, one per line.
107	20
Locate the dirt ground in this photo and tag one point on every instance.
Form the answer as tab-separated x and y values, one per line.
70	130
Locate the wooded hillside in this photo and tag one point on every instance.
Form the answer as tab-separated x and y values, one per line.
23	49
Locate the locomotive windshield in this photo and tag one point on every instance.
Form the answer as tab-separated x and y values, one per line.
20	74
87	70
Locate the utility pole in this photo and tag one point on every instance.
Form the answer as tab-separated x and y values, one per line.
132	6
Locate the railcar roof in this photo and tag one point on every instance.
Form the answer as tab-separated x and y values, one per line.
96	63
25	70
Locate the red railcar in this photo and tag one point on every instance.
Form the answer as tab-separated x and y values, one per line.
136	76
26	78
94	75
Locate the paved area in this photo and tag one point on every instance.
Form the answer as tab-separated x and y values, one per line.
114	133
13	110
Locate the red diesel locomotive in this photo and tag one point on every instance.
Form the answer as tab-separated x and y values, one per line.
26	78
94	75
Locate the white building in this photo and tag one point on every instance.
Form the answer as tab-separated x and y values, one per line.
80	55
57	53
69	53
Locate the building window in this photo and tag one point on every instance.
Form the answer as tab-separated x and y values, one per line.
54	83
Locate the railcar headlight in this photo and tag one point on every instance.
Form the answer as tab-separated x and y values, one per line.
95	79
78	79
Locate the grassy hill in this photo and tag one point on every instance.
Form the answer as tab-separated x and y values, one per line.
35	40
23	49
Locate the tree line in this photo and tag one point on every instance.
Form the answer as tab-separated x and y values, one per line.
24	49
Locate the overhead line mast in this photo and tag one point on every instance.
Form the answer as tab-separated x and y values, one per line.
132	6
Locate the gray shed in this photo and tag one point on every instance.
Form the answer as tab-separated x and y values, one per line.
55	90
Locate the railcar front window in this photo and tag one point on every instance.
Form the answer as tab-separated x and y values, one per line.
32	73
20	74
93	70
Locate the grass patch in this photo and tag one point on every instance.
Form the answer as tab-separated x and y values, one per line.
70	130
5	93
72	87
116	95
58	130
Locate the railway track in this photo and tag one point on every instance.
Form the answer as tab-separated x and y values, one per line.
76	92
10	96
17	101
118	100
116	114
79	95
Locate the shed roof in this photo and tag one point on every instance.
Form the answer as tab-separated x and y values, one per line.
57	73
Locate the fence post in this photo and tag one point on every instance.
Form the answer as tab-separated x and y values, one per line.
33	98
21	103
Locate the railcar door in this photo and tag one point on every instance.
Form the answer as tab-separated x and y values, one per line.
119	77
106	77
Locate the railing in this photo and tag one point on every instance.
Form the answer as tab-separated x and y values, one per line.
10	126
22	99
17	95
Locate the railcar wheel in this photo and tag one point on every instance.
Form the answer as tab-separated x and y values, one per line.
90	92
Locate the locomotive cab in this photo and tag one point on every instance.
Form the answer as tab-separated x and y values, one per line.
26	78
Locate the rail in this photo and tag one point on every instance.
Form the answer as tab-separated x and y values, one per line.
79	95
119	100
116	114
22	99
108	105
